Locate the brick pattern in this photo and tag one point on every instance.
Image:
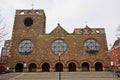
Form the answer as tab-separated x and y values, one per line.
5	52
114	54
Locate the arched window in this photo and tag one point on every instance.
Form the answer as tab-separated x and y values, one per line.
71	67
85	66
45	67
32	67
59	67
19	67
98	66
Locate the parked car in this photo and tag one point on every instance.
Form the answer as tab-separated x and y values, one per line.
117	73
8	70
2	68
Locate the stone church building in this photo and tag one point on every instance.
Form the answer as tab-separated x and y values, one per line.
32	49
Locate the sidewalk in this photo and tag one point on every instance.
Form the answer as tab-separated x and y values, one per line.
55	76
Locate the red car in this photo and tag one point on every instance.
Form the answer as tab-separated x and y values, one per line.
2	68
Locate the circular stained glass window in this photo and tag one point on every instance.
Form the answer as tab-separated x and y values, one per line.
91	46
28	22
26	47
59	47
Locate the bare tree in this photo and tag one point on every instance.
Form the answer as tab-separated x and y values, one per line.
3	31
118	32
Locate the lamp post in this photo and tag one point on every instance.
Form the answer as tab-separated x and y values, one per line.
59	47
59	68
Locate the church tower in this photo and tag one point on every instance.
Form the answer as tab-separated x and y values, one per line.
28	26
28	21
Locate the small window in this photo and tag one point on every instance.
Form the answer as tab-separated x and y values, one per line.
89	31
97	31
29	12
36	12
28	22
82	31
22	13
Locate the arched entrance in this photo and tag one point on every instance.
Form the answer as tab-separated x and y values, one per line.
19	67
98	66
58	67
32	67
45	67
71	67
85	66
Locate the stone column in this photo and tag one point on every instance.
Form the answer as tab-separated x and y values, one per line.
52	69
78	69
65	69
92	69
37	69
40	69
104	69
25	69
13	69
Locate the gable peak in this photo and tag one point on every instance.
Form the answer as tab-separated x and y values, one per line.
58	25
86	27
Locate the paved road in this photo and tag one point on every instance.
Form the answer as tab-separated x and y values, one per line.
55	76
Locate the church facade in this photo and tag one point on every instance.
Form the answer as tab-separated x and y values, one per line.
32	49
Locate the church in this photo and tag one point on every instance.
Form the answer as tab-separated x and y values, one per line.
34	50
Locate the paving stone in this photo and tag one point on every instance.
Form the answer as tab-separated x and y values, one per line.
55	76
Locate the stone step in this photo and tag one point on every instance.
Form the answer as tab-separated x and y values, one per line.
66	76
55	76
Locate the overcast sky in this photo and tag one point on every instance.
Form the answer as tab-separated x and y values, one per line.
69	13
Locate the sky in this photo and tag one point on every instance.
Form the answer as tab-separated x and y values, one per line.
70	14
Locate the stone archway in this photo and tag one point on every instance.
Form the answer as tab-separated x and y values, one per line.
58	67
32	67
98	66
45	67
85	66
72	67
19	67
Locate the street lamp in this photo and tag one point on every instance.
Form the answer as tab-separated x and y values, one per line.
59	68
59	47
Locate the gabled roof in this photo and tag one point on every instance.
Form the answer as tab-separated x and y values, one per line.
59	30
117	43
86	27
